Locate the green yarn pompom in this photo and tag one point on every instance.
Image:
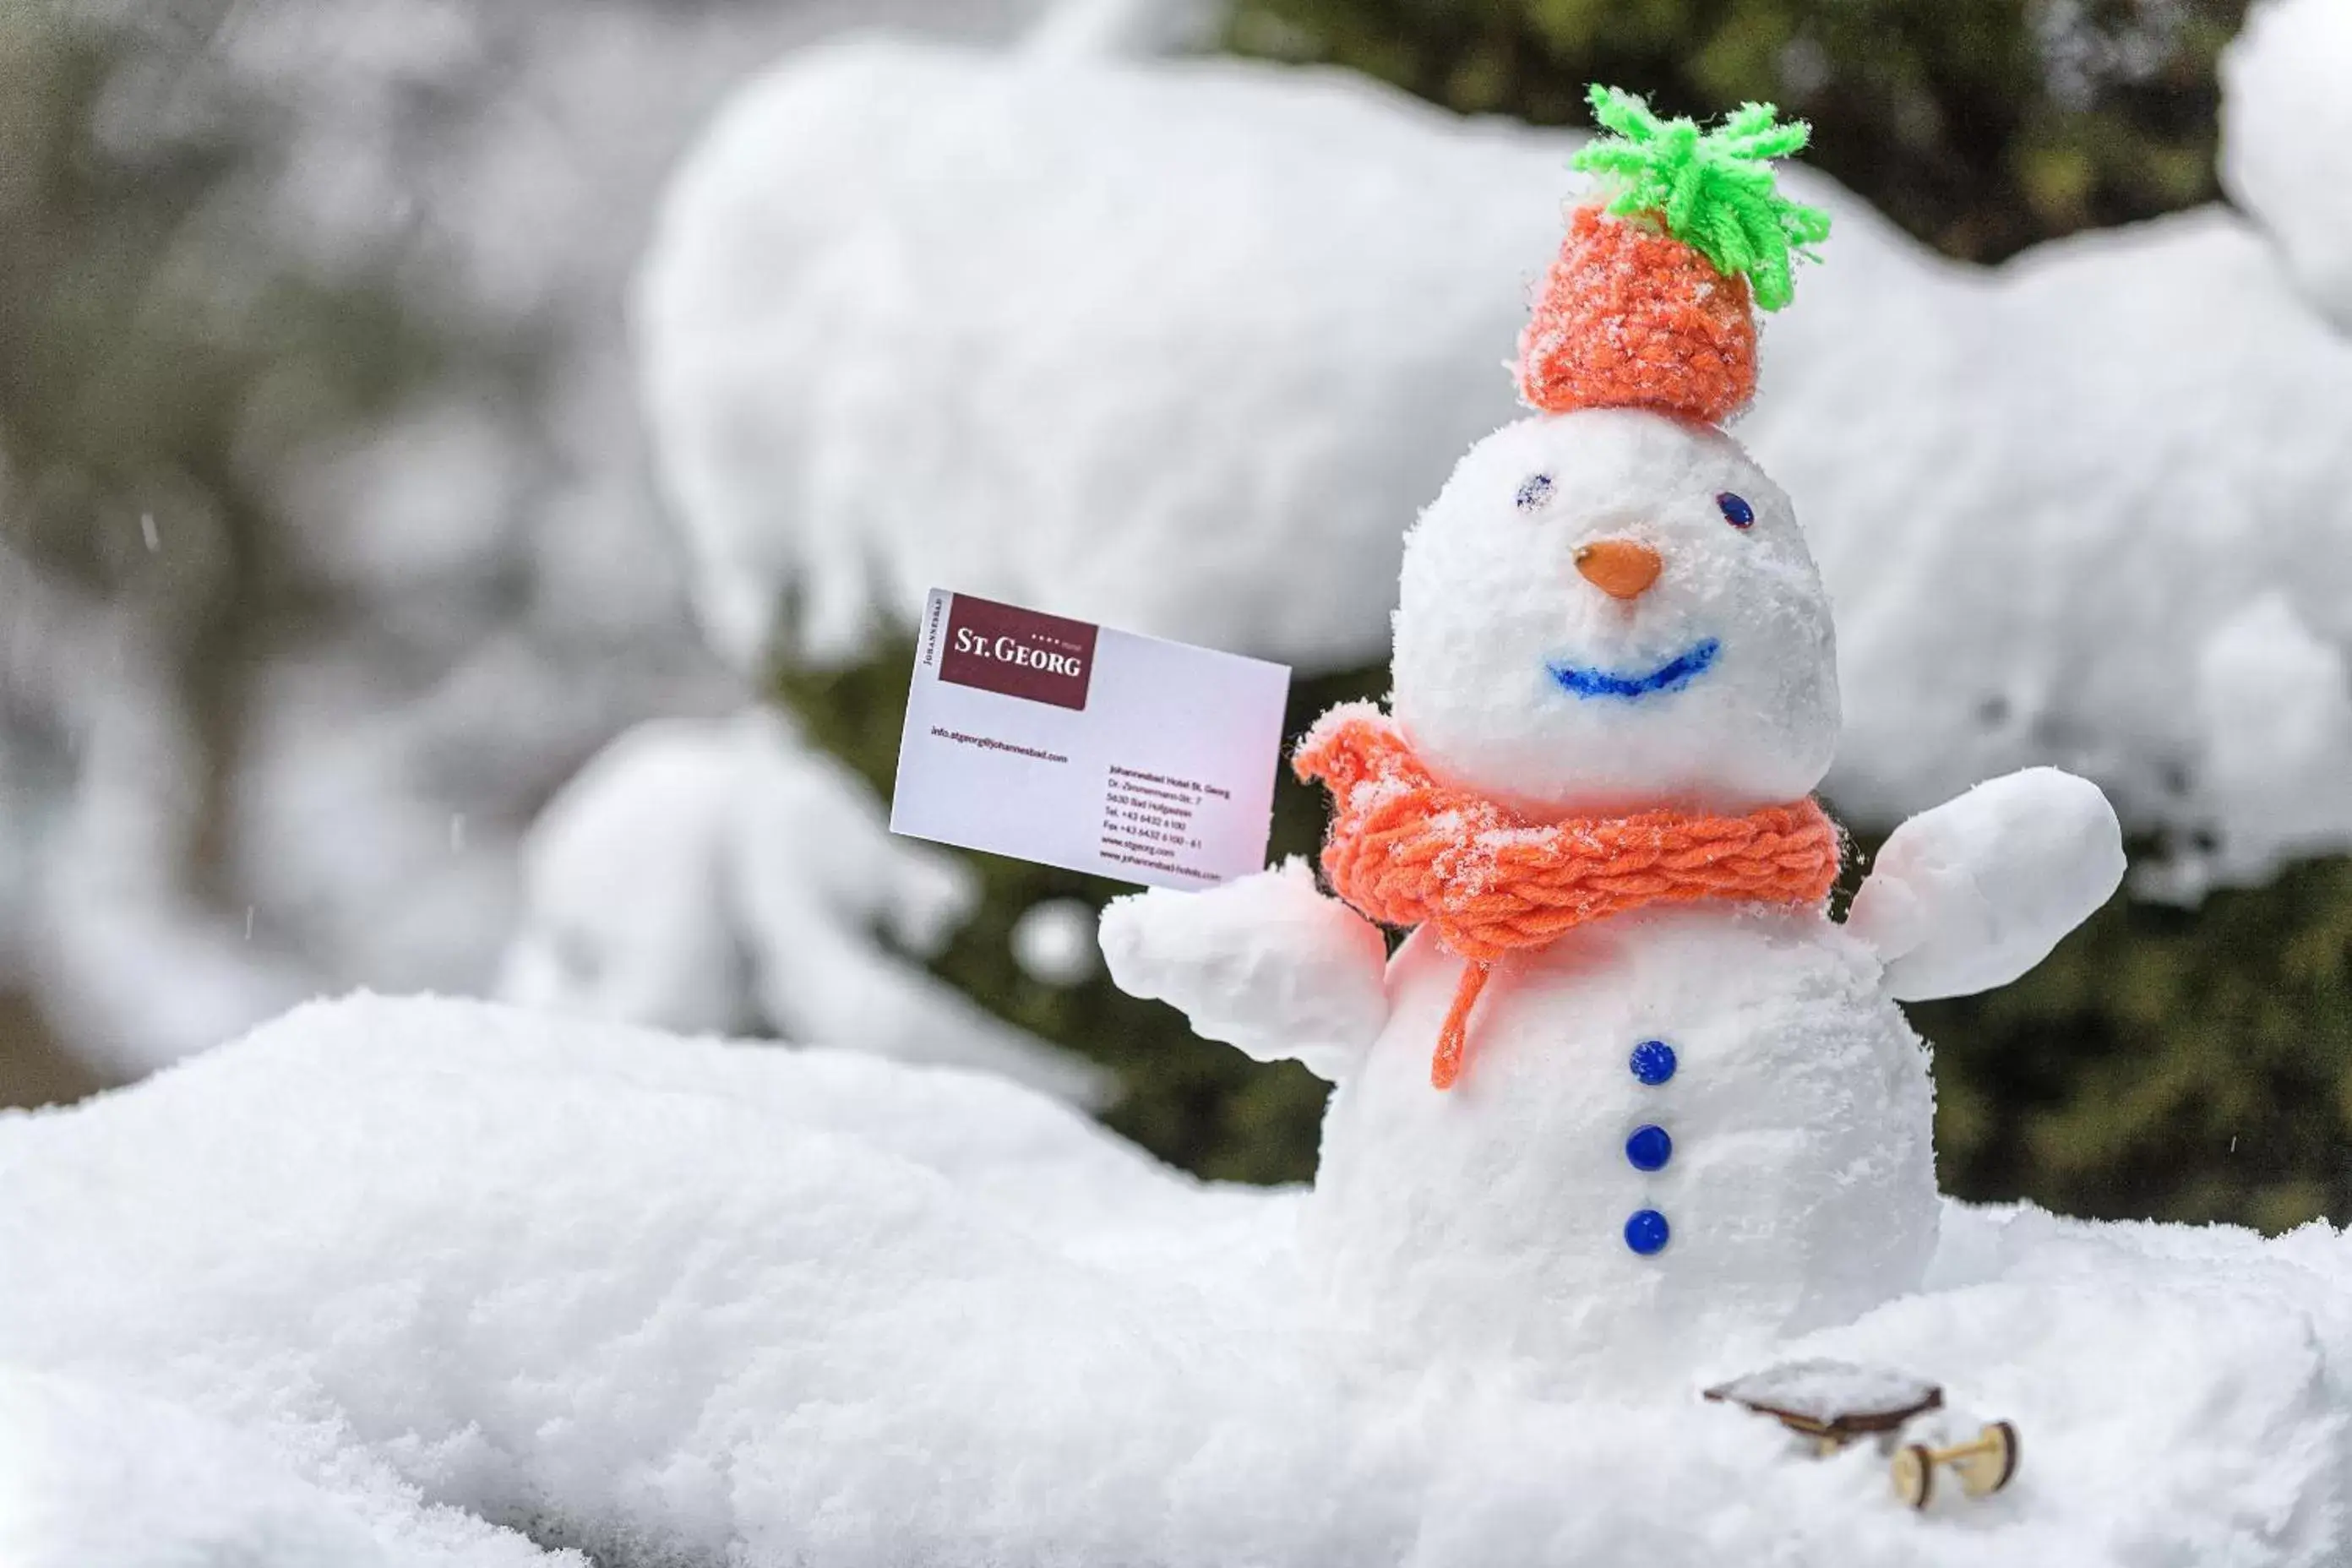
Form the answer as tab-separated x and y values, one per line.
1713	189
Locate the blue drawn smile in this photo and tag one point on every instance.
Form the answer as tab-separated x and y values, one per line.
1672	676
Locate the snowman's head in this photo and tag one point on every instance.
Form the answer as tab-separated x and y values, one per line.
1611	610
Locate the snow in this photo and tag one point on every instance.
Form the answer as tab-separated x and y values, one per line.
1827	1391
2287	140
99	1478
98	764
423	1274
2270	693
722	876
1500	642
2129	479
1974	893
1218	330
1605	1226
1055	944
1798	1191
626	908
915	317
1265	963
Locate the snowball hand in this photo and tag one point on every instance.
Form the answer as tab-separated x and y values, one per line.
1976	892
1267	965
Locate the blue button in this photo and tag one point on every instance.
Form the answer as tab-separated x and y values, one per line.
1646	1231
1649	1149
1653	1061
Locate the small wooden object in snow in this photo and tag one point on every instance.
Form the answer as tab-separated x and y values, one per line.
1984	1464
1835	1403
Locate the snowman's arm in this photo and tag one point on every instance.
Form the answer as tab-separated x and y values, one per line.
1265	963
1976	892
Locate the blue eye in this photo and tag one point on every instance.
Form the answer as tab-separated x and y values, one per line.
1533	489
1736	511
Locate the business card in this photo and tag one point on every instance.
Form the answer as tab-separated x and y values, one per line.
1084	747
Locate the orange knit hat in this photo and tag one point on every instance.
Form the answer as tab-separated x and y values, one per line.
1647	304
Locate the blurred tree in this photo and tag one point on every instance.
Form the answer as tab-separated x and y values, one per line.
137	344
321	463
1980	127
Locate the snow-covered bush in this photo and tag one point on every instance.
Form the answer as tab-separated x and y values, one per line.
2286	155
719	876
1218	330
2089	507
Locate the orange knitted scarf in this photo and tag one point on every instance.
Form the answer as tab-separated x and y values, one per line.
1406	850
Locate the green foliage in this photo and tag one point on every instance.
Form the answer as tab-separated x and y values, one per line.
2165	1063
1980	126
1713	189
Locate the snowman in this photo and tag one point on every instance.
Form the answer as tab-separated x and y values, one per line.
1627	1105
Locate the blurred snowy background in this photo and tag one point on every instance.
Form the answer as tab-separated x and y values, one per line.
423	420
330	551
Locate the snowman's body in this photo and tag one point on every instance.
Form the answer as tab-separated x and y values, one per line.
1606	613
1797	1186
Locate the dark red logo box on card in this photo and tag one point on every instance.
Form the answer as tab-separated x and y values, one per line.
1004	647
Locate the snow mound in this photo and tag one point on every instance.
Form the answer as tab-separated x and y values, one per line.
1264	962
391	1281
2286	139
99	1478
719	875
1122	340
1122	28
1183	346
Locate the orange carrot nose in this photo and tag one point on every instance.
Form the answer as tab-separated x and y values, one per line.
1619	567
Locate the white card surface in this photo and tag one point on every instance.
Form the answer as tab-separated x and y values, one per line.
1076	745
